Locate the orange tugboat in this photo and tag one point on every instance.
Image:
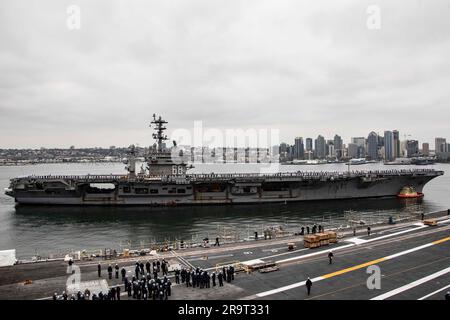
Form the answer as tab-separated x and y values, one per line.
409	192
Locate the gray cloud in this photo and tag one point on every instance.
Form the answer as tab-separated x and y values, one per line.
303	67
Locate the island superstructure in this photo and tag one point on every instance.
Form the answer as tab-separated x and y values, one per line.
167	182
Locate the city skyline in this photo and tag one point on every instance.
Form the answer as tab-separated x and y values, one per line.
300	67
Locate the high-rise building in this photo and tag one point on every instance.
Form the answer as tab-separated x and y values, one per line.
309	144
330	152
338	147
361	144
440	145
426	149
299	148
396	143
412	148
320	147
389	146
359	141
352	151
372	146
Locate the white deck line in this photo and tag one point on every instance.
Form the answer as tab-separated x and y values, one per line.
298	284
434	292
314	253
285	288
411	285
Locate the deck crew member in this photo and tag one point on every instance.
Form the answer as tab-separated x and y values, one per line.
129	289
220	278
188	279
136	271
99	270
217	242
177	276
147	266
330	256
124	273
118	292
169	288
70	265
110	272
116	267
213	277
164	267
368	231
308	285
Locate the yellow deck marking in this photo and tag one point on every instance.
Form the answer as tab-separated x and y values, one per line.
442	240
359	266
363	265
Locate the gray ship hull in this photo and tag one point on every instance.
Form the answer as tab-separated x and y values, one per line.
214	189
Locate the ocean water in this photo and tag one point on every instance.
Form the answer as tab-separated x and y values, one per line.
42	230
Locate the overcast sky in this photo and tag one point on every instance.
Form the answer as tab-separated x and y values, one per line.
303	67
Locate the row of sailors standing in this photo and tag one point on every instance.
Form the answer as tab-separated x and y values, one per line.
202	279
157	265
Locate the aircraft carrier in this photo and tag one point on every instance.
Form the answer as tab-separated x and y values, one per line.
167	182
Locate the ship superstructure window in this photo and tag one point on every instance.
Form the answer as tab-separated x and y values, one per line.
141	190
181	190
172	190
100	188
275	186
154	191
210	187
126	189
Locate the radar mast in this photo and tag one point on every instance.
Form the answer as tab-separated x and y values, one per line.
158	126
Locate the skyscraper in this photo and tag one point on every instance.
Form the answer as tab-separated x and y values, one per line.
440	145
412	148
389	146
338	147
372	146
309	144
320	147
353	150
299	148
396	143
426	149
360	142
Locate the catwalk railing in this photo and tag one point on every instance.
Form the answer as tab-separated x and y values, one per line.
241	176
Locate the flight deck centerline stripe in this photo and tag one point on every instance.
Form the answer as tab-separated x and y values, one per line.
359	266
441	240
333	274
411	285
434	292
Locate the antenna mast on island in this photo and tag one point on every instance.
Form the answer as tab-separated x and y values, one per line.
159	128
